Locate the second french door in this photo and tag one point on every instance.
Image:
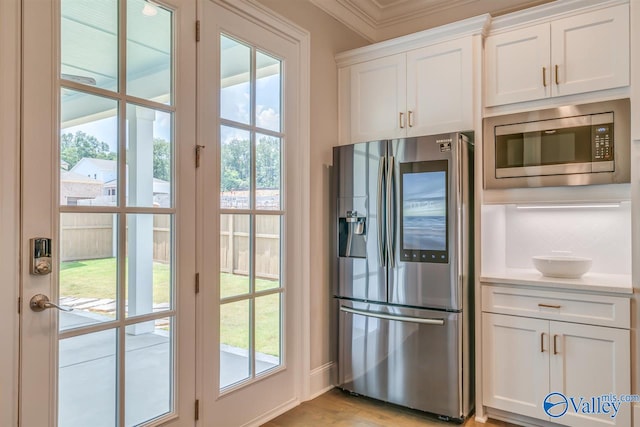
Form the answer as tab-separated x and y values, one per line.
250	197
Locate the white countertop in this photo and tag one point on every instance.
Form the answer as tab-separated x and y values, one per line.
591	282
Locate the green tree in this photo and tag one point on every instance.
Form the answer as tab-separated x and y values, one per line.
235	162
161	159
268	162
74	147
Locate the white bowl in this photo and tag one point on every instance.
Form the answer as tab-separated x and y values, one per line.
568	267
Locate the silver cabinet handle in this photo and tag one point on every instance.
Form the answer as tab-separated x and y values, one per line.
555	344
410	118
41	302
401	120
377	314
542	342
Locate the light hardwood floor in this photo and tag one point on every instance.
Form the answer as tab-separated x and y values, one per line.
338	408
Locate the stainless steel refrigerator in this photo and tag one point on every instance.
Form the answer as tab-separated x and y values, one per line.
403	271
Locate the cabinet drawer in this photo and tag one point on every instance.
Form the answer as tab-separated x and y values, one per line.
564	306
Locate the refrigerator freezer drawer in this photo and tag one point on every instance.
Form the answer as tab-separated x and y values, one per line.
409	357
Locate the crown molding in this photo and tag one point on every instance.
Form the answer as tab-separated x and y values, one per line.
377	20
557	9
477	25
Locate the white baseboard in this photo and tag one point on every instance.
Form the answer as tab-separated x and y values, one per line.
481	419
265	418
322	380
636	415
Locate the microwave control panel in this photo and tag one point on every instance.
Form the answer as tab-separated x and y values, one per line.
602	142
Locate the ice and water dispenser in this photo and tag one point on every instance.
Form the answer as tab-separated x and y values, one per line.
352	227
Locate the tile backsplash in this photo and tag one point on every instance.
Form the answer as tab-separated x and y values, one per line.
603	234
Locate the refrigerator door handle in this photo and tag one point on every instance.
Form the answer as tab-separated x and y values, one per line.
438	322
379	212
461	173
390	214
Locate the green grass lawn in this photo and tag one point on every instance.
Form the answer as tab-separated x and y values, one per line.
97	279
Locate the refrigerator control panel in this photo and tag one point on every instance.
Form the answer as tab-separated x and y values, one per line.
423	256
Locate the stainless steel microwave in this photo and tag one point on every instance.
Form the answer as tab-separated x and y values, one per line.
573	145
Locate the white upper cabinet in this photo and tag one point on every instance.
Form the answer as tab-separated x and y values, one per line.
591	51
378	98
439	88
517	65
577	54
421	92
420	84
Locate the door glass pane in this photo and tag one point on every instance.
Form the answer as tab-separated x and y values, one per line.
149	157
234	343
149	263
235	255
267	92
149	32
87	380
235	168
267	332
148	370
268	172
235	75
88	150
267	252
88	268
89	42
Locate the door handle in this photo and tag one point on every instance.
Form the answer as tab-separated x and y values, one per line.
41	302
557	79
544	76
410	118
542	342
555	344
401	120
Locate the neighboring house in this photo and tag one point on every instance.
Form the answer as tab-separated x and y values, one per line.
106	172
103	170
75	187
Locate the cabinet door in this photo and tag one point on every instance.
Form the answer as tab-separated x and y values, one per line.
591	51
590	361
439	94
378	98
517	65
515	359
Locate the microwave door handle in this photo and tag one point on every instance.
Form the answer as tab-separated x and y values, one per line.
390	214
380	213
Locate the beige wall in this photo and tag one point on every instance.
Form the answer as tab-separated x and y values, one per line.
328	37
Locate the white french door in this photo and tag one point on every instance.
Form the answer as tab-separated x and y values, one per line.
108	132
251	212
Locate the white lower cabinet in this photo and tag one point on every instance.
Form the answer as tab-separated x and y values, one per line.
526	358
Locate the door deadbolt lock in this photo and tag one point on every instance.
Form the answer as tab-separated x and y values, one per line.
40	256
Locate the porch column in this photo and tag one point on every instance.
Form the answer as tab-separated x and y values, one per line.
140	233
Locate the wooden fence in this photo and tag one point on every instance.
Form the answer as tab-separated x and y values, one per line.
92	236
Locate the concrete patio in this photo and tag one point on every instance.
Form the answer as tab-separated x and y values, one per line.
87	374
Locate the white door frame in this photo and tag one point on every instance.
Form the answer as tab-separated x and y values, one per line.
39	214
256	13
9	206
